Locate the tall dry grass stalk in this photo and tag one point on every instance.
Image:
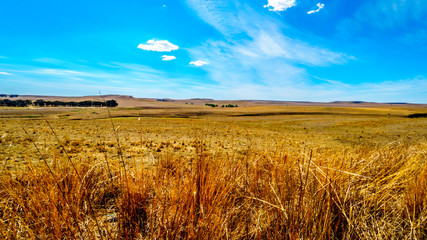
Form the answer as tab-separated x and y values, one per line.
271	193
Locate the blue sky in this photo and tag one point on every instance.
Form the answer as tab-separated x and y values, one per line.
331	50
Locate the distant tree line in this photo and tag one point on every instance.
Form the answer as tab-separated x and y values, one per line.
418	115
43	103
211	105
230	105
15	103
11	95
216	105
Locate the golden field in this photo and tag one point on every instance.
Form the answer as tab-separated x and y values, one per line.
182	170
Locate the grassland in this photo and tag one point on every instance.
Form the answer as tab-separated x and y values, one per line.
187	171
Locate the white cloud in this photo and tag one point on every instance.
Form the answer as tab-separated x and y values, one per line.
5	73
158	46
198	63
168	58
319	5
280	5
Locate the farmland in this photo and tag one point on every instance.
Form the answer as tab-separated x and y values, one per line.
180	169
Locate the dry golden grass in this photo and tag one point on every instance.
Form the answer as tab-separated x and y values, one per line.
201	173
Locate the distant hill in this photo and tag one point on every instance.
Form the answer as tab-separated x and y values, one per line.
130	101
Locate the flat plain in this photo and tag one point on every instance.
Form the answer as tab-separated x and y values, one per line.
178	169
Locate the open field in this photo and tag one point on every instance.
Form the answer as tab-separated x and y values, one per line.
180	169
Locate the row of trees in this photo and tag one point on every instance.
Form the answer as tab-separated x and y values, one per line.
230	105
11	95
15	103
43	103
211	105
216	105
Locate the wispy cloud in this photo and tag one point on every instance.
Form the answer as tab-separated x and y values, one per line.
112	77
266	57
60	72
416	38
320	6
269	63
5	73
280	5
134	67
405	90
386	15
158	46
143	81
198	63
168	58
49	60
222	15
394	13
